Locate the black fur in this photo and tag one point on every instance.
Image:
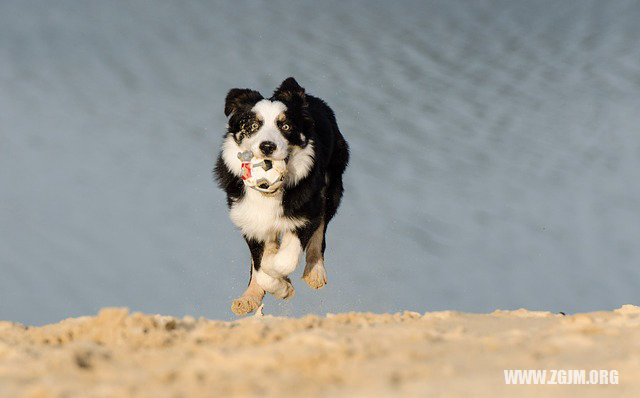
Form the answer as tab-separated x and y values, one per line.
314	198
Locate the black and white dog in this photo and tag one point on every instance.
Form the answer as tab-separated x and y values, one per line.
302	130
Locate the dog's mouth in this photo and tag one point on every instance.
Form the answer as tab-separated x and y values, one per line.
265	189
266	185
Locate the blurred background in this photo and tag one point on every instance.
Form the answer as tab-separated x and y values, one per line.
495	153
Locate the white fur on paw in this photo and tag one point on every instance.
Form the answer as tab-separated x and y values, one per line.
279	287
316	277
286	290
244	305
267	282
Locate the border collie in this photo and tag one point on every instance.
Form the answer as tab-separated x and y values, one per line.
302	130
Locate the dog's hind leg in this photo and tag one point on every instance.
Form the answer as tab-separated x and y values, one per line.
253	295
314	272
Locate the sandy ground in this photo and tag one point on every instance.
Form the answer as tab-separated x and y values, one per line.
355	354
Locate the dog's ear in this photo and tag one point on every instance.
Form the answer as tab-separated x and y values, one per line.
239	97
290	91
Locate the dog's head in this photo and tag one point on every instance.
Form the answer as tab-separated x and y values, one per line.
273	127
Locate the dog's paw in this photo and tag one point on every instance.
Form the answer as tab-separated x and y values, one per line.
244	305
286	290
315	276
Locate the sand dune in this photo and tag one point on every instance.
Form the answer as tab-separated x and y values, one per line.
354	354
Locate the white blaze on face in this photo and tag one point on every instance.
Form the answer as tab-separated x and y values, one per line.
268	113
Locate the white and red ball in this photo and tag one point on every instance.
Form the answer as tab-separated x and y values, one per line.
264	175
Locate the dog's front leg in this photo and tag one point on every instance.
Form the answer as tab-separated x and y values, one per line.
286	259
278	263
251	298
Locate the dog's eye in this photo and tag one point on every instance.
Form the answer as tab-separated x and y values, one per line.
254	126
285	127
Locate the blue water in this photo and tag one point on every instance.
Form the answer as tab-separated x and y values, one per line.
495	153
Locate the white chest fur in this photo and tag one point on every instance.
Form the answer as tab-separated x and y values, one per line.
260	217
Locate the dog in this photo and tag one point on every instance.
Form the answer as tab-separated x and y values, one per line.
301	130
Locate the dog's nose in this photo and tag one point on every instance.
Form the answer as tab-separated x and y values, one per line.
267	147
